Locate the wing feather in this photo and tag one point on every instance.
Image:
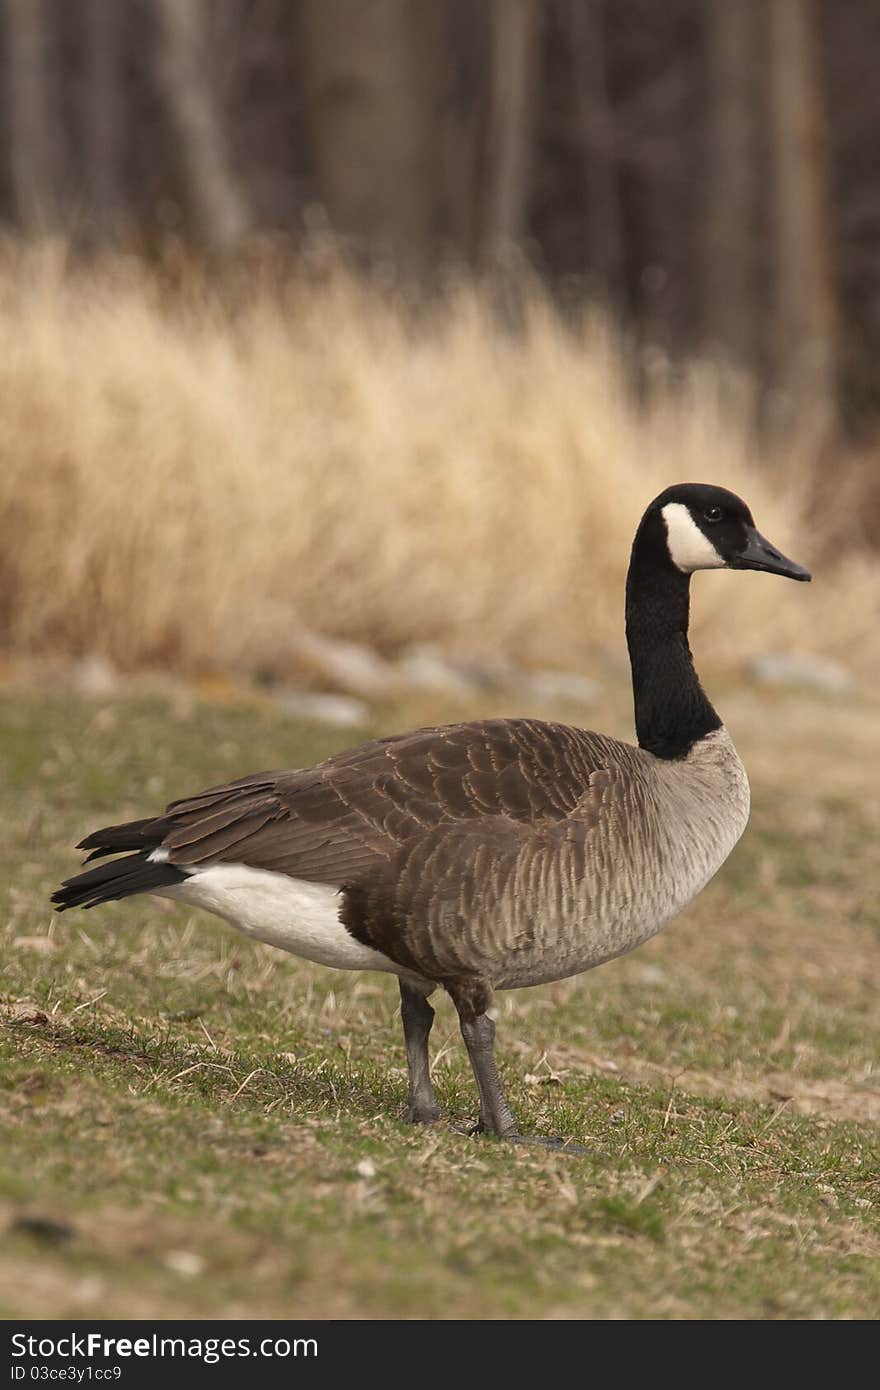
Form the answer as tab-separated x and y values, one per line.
338	821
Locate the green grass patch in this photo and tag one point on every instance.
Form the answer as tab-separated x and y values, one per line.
194	1124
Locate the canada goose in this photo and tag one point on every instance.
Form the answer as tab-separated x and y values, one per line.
487	855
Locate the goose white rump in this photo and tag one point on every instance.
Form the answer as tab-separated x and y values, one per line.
297	916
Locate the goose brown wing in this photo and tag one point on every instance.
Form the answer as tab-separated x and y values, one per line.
334	822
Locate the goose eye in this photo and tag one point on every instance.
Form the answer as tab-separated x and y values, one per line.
712	514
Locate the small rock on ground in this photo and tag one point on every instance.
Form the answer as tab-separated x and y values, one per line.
560	685
429	668
349	666
804	669
95	676
343	711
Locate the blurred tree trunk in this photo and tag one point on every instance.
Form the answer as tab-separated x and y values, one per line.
604	230
729	292
454	41
33	156
805	301
184	71
371	124
104	116
514	69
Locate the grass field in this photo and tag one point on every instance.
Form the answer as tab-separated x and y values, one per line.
195	1125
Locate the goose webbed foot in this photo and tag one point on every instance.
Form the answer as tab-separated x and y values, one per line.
422	1113
553	1142
482	1128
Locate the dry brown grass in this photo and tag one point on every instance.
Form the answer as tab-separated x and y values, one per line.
182	479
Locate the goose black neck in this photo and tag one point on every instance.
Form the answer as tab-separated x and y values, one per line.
672	710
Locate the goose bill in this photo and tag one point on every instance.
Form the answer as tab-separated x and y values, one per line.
759	554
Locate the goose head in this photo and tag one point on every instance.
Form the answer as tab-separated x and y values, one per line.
702	527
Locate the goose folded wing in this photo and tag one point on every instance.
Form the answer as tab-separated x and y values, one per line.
334	822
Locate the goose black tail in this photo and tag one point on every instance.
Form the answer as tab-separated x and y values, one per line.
120	878
134	834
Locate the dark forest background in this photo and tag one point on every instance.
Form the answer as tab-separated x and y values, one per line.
707	170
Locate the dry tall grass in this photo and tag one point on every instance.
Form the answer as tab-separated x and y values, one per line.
182	482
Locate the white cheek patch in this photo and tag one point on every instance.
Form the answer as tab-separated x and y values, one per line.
689	548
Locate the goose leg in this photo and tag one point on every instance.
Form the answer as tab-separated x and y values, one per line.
418	1016
496	1116
472	997
472	1000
